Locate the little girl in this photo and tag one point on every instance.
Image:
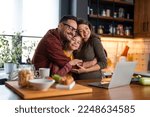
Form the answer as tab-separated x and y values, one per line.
69	47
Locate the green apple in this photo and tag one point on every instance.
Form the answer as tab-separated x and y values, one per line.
56	77
144	81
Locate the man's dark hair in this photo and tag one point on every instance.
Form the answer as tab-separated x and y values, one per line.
68	17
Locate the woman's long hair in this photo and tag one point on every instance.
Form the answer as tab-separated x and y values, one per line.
93	34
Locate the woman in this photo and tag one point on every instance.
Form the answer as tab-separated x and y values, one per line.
91	49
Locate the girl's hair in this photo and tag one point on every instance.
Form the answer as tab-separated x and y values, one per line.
82	21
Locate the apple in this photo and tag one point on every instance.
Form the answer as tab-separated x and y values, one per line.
56	77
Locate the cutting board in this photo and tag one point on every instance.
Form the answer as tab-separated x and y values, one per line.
26	93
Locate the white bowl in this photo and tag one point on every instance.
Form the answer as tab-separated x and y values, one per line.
41	84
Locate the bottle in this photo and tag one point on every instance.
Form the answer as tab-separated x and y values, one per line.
108	12
123	56
91	11
121	12
110	29
125	51
103	12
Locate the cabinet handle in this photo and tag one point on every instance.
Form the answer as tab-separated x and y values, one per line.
147	26
143	26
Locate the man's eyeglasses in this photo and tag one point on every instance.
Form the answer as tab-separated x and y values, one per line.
70	27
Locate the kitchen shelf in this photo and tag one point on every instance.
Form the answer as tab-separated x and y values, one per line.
111	18
113	35
118	2
98	16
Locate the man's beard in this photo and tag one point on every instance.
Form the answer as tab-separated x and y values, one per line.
64	38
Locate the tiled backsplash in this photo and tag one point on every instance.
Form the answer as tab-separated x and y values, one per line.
139	50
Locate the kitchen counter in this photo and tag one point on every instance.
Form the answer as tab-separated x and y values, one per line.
134	91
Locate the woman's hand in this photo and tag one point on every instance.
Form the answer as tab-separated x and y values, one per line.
89	63
79	70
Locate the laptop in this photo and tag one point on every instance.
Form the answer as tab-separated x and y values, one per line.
121	76
144	73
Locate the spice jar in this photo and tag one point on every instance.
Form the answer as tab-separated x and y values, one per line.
127	31
115	15
100	30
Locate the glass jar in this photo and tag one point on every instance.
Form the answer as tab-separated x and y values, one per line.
115	14
100	30
127	31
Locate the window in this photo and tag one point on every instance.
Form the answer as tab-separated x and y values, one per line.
39	16
34	17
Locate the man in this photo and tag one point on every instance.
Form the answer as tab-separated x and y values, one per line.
49	49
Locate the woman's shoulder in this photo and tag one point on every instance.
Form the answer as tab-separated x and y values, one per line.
95	40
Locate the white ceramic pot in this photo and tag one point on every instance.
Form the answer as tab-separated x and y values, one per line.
10	67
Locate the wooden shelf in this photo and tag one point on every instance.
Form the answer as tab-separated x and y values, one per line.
111	18
122	2
114	35
123	19
118	2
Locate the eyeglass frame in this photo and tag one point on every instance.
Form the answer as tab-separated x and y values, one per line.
70	27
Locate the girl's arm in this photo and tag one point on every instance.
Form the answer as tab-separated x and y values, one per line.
66	69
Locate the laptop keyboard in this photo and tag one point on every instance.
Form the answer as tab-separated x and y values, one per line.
98	84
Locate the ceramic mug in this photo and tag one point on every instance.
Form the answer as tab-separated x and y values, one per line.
44	72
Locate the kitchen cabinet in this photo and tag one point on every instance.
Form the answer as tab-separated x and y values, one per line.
142	18
114	18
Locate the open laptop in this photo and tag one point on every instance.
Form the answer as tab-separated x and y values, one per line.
121	76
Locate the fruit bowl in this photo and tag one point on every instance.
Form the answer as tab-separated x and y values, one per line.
41	84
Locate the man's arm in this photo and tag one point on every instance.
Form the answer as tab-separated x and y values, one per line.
55	52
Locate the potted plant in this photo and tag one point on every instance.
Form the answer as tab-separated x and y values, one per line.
11	51
4	50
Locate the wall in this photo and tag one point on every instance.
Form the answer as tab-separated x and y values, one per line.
65	8
139	50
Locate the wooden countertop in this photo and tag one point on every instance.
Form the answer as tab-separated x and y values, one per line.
133	91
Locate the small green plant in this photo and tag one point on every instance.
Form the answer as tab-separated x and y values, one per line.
4	49
16	51
11	49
